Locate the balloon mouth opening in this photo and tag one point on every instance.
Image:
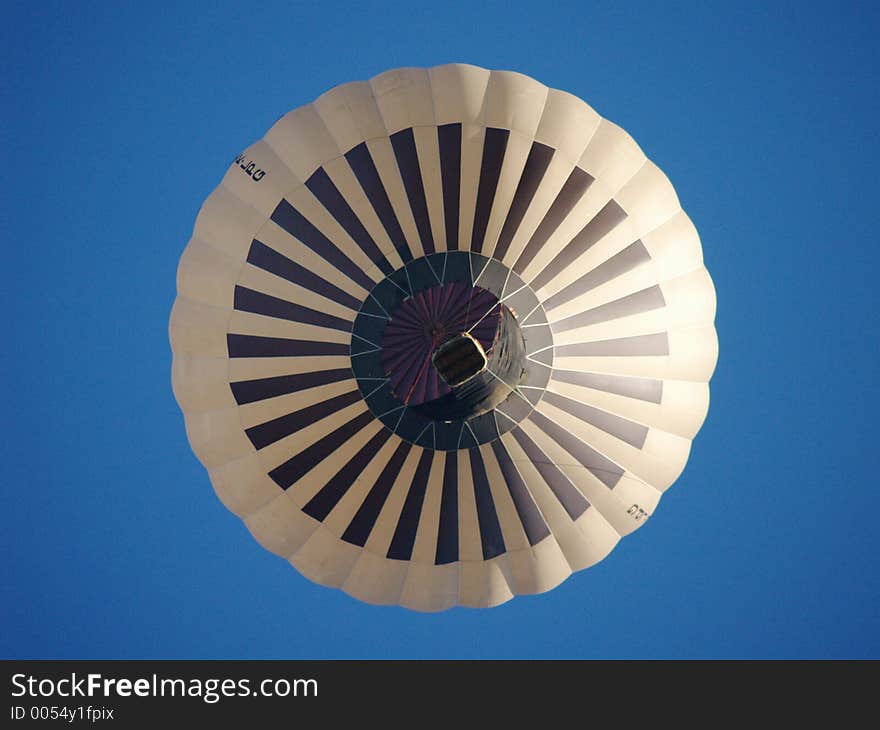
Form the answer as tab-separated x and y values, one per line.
437	347
459	359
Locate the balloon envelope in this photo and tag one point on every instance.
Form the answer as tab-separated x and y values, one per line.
443	337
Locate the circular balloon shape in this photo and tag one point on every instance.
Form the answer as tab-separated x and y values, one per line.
443	337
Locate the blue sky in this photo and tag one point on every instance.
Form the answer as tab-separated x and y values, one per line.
119	119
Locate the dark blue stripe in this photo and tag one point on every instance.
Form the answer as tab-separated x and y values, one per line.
494	147
250	391
323	189
638	302
249	300
404	145
293	469
361	525
622	428
529	514
572	191
490	530
647	389
256	346
268	259
605	470
364	169
626	260
635	346
281	427
329	495
408	524
569	496
449	144
296	224
604	222
447	536
532	174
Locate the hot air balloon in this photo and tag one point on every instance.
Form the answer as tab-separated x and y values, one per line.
443	337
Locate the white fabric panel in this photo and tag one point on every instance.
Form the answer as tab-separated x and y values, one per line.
228	223
458	90
259	177
325	559
197	329
648	198
597	539
425	547
403	96
567	124
537	569
216	436
513	101
207	274
470	548
427	148
265	326
364	112
472	139
485	583
612	157
431	587
336	114
302	142
376	580
201	383
280	526
243	485
674	246
252	368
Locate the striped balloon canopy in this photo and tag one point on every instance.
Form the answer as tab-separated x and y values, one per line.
443	337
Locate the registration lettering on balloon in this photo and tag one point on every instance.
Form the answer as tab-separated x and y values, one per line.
454	348
250	167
